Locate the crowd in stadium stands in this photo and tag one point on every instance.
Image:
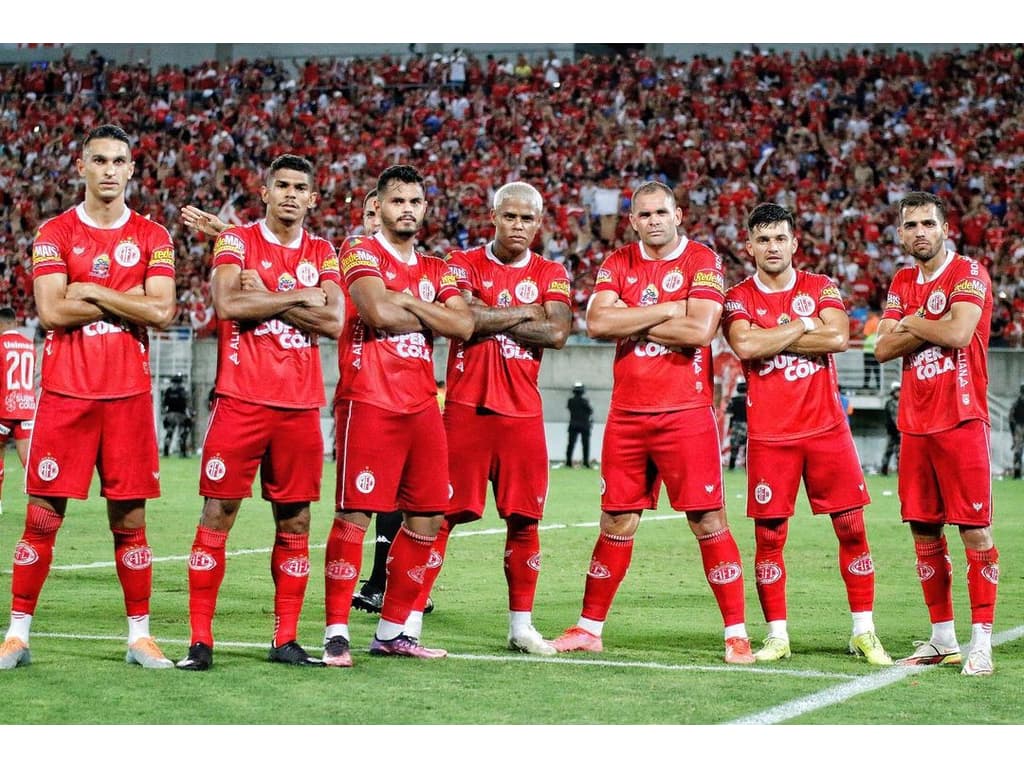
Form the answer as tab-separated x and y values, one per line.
839	137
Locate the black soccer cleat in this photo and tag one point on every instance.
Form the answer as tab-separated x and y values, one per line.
293	653
371	602
199	659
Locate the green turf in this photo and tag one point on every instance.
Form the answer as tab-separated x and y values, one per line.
663	648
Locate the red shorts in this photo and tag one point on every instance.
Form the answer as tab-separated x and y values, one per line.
390	461
827	463
642	450
73	435
947	477
285	443
509	452
16	428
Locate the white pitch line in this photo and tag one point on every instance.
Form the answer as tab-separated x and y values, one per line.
370	541
514	658
840	693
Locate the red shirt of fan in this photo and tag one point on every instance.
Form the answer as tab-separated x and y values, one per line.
943	387
649	377
18	401
393	371
496	372
271	361
107	358
789	396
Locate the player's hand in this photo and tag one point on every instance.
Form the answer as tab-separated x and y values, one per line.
200	221
314	297
251	280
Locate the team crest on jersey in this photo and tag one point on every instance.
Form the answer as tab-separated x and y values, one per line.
286	282
803	305
127	253
648	296
672	281
137	558
365	481
426	289
100	266
762	492
48	469
526	291
307	274
936	302
505	298
215	469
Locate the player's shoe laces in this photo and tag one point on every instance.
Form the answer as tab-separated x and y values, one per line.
337	652
529	640
146	653
576	638
199	659
294	654
774	648
868	645
403	645
371	600
14	653
737	651
928	653
979	662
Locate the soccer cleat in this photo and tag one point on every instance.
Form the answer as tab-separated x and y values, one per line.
147	654
529	640
576	638
403	645
292	653
371	602
14	653
979	662
774	649
429	607
737	651
928	653
868	645
336	652
199	659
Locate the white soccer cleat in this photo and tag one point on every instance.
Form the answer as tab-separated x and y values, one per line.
147	654
529	640
979	662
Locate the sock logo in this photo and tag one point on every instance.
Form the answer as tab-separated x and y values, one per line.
990	572
534	561
137	558
295	566
435	560
201	560
340	570
725	573
924	571
416	574
599	570
862	566
767	572
25	554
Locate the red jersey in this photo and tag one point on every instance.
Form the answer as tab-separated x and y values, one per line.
649	377
390	371
252	354
108	358
943	387
789	396
18	398
497	372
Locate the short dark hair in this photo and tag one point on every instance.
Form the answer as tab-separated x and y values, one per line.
402	174
7	315
108	131
650	187
765	214
917	199
369	196
292	163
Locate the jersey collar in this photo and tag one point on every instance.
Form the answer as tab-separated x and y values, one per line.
920	272
767	289
271	238
90	222
383	241
683	242
523	261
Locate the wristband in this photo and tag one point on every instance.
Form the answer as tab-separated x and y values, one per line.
808	323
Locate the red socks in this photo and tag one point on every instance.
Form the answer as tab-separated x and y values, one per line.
724	572
855	564
935	571
206	565
608	566
522	562
407	562
770	568
982	584
134	562
32	558
433	566
289	567
342	562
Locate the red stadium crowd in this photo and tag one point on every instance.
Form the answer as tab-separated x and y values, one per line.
837	137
